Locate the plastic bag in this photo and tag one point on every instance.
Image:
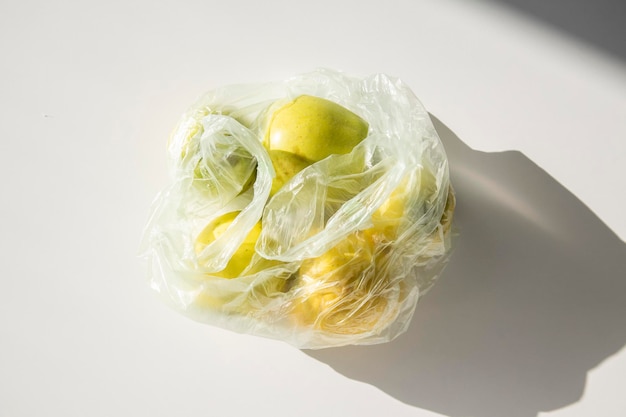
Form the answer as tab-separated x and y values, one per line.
338	254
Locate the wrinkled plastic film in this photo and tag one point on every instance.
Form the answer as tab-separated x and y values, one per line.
339	254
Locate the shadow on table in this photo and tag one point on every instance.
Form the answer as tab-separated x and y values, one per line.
599	23
533	298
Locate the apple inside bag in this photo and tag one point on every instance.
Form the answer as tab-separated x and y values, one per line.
315	210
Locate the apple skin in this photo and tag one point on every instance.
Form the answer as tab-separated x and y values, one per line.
314	128
396	210
205	174
345	290
286	165
242	257
234	299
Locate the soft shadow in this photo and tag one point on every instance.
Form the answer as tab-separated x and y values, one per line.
533	298
600	23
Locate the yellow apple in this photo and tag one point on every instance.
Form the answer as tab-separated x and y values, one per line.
242	257
395	211
286	165
231	176
247	293
208	175
345	290
191	127
314	128
188	129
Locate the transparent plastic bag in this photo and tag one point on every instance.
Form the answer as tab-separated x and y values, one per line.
338	254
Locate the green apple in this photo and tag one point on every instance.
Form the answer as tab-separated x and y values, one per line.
207	175
233	174
314	128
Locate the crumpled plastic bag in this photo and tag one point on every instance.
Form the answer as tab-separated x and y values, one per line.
340	254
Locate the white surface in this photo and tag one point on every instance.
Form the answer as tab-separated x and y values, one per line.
527	320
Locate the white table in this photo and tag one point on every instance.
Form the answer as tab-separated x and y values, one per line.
528	318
